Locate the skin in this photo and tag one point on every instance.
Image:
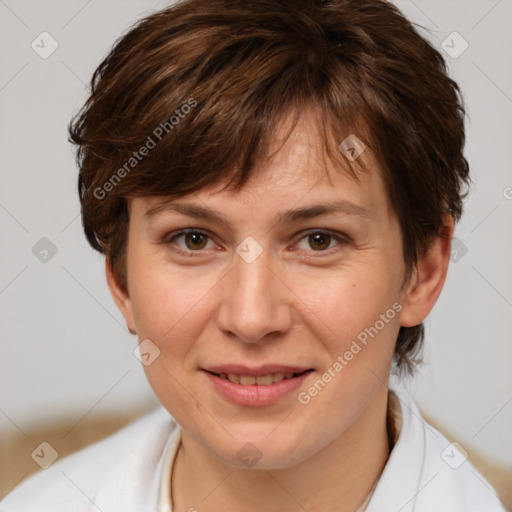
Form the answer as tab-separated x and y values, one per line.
295	304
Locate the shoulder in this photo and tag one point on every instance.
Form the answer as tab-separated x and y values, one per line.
426	472
452	479
74	482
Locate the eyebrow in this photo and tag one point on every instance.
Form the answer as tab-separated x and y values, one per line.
287	216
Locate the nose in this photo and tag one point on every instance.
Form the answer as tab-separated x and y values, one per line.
255	301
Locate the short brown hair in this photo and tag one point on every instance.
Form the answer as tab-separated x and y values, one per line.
239	67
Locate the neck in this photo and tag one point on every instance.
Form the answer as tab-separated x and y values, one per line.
338	478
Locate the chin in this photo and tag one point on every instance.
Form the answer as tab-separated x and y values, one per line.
256	449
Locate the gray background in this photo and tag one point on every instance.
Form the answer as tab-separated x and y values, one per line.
65	351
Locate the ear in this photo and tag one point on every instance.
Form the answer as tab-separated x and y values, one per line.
121	298
428	277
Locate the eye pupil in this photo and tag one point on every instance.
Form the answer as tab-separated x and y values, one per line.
198	240
320	240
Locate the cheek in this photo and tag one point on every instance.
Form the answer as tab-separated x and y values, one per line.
169	308
341	305
165	298
355	318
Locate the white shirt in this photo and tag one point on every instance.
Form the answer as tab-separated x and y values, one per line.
130	471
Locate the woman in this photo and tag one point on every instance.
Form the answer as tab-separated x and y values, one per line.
274	186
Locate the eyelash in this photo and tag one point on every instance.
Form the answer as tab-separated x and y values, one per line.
341	239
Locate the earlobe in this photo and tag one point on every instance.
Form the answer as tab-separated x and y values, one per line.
428	278
120	296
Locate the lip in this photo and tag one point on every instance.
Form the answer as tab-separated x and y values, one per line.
256	371
254	395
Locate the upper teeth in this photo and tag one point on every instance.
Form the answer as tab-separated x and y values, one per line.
261	380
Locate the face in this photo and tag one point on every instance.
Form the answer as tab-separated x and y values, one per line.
265	286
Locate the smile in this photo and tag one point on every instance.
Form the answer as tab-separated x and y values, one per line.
261	390
261	380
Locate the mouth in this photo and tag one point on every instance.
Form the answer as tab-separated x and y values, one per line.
259	380
267	385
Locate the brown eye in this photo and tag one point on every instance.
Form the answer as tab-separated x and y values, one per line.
190	240
195	240
319	241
